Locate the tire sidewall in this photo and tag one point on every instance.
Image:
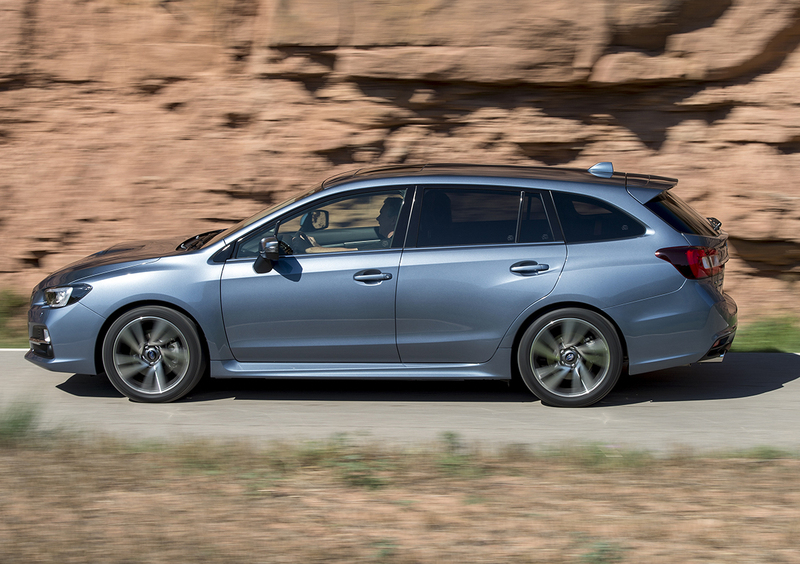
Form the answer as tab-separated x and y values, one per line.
608	332
194	372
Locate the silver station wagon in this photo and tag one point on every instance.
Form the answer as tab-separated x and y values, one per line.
560	277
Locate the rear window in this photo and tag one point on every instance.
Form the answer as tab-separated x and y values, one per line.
680	215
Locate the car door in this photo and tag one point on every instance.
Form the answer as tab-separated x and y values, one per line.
482	256
329	298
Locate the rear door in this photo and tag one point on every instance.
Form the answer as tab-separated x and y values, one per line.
480	257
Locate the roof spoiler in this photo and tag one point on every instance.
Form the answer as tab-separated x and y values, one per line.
645	187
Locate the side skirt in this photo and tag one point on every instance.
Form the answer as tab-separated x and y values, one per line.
498	368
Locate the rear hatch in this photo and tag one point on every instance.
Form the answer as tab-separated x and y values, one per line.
707	252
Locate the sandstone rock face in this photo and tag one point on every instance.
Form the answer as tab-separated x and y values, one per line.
124	119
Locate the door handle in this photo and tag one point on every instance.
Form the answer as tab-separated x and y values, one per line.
529	267
371	276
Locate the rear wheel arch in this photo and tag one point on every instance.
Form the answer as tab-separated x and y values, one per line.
531	319
569	354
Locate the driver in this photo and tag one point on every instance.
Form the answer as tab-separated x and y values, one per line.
387	219
303	242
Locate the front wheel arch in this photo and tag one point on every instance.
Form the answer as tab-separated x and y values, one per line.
153	353
98	346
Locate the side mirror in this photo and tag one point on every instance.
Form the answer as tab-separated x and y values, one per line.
269	250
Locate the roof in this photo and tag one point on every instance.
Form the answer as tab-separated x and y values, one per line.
507	171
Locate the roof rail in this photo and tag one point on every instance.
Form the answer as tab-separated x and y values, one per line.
602	170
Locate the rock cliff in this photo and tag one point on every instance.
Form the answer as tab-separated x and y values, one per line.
126	119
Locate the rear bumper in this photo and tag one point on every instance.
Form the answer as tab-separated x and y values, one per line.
696	323
720	347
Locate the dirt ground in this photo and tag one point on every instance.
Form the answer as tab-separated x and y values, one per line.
206	503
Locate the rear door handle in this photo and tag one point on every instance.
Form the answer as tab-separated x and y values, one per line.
371	275
529	267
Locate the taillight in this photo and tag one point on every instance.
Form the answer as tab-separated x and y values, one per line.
693	262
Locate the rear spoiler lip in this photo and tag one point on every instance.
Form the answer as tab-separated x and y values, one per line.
645	187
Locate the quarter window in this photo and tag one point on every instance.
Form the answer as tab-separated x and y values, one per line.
589	219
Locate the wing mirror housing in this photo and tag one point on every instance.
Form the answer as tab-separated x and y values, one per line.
269	250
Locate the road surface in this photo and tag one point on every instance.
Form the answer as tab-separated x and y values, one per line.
748	400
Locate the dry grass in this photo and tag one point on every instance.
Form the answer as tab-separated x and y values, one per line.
75	500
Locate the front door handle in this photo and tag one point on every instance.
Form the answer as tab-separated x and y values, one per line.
371	275
528	267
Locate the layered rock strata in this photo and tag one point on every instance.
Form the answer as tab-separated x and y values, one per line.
124	119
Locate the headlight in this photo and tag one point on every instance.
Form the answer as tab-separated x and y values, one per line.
65	295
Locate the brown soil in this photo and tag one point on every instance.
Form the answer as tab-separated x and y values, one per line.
200	503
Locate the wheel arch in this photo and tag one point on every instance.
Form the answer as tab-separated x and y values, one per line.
98	346
553	307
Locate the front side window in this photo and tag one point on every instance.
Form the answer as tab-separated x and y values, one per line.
365	221
586	219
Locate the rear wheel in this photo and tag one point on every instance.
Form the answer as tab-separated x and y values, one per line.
153	354
570	357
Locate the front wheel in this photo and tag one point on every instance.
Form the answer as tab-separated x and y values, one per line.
570	357
153	354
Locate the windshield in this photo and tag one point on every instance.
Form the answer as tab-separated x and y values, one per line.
260	215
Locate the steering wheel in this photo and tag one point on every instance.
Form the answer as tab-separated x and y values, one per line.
301	242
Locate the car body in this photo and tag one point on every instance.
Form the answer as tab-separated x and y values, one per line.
564	276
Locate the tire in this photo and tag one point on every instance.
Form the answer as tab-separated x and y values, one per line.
570	357
153	354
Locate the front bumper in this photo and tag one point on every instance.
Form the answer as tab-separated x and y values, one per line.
64	339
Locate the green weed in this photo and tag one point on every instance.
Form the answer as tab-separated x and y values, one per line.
598	456
19	423
13	320
455	459
603	552
776	334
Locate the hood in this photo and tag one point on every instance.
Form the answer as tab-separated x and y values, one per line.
114	258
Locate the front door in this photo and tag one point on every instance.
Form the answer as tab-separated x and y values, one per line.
331	297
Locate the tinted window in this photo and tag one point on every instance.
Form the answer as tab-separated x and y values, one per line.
455	216
589	219
534	226
680	215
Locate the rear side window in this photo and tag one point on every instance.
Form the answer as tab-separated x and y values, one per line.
457	216
534	226
467	217
680	215
586	219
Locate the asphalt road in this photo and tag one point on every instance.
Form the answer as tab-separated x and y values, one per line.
748	400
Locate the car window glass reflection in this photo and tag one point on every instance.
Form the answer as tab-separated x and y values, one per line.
355	223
